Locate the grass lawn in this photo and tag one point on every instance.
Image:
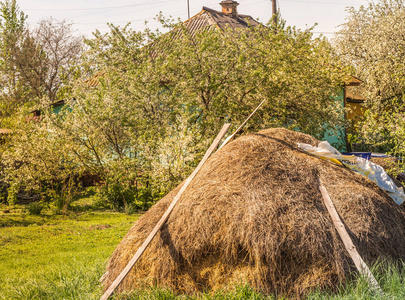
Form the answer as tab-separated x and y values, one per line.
55	256
62	257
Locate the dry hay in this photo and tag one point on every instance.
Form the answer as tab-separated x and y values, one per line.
254	214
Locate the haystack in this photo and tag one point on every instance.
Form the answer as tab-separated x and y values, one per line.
254	214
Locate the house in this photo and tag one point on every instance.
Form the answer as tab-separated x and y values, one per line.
36	114
350	97
209	19
228	17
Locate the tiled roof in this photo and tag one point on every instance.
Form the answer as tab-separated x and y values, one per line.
207	19
5	131
222	20
211	19
93	81
354	81
199	21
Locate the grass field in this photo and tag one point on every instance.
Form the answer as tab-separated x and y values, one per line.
62	257
55	256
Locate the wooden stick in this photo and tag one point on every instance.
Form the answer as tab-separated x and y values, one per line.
347	241
164	218
243	124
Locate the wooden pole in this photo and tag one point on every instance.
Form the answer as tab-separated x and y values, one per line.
274	11
164	218
347	241
241	126
188	8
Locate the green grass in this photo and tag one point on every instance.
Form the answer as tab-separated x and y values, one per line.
55	256
62	257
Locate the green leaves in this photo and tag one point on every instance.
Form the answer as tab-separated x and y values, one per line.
372	41
148	103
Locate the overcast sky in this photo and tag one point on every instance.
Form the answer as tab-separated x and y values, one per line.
88	15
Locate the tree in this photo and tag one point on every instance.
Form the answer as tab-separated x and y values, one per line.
153	85
222	74
373	41
12	28
36	65
161	97
36	68
58	52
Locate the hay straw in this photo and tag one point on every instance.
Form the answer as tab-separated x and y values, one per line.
254	214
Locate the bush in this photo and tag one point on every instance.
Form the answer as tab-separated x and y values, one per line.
118	194
129	208
35	208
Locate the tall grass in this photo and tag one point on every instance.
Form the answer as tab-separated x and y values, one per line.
390	276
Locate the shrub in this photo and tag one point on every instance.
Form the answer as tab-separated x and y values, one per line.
35	208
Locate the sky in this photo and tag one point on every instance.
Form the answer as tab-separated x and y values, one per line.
89	15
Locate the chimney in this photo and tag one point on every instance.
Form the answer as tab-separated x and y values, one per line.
229	7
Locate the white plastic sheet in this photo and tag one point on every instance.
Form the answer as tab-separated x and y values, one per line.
363	166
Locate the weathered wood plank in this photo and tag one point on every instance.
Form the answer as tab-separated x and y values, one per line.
347	241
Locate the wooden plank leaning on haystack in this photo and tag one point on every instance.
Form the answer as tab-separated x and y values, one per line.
166	215
347	241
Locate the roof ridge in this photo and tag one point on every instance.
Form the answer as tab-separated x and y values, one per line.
245	16
208	11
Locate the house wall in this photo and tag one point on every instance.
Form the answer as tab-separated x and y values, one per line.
58	108
337	137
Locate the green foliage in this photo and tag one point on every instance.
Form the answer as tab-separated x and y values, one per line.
162	97
12	28
12	194
218	75
33	161
128	197
35	208
35	63
3	197
118	194
371	41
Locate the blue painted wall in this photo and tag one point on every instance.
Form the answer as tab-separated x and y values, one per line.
337	137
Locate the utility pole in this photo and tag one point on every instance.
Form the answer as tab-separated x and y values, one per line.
188	8
274	8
